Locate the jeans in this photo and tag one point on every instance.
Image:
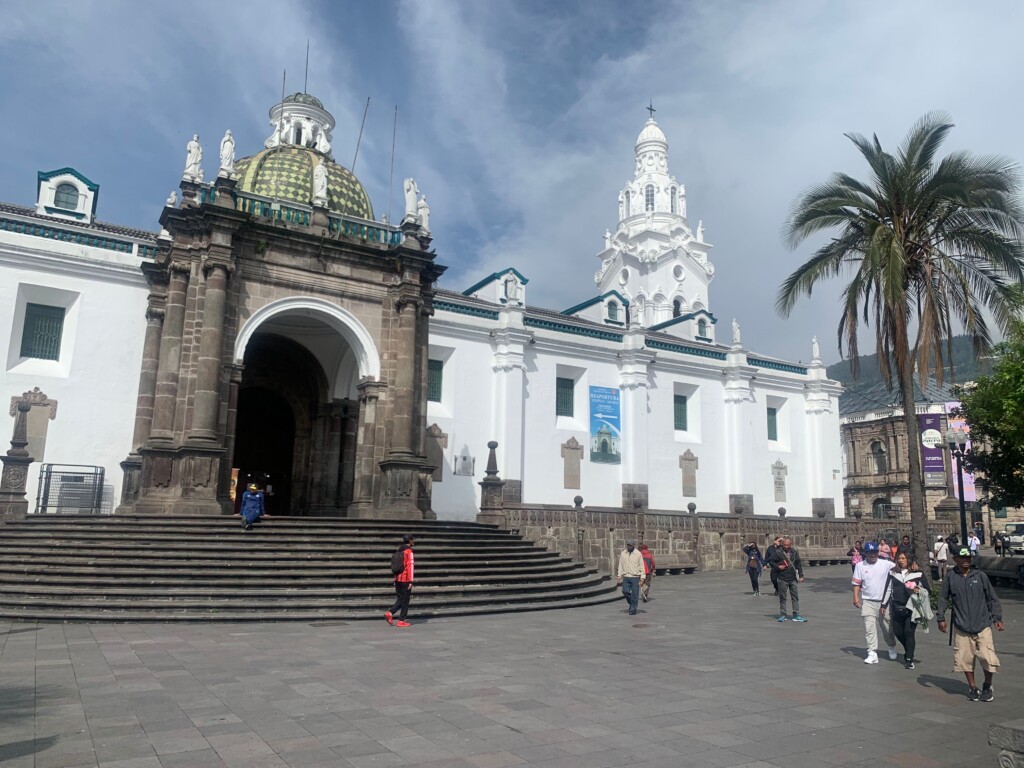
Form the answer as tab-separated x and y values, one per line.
904	629
790	587
870	610
403	591
755	576
631	591
774	576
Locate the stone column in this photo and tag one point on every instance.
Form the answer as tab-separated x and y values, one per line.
207	397
634	385
742	413
369	395
131	467
13	503
509	343
166	390
332	454
403	343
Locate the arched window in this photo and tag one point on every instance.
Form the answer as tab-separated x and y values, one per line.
677	307
625	204
649	197
879	507
702	328
613	311
66	197
879	461
674	201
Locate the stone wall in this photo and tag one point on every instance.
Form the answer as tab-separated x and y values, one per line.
596	535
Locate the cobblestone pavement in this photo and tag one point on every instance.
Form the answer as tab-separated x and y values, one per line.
702	676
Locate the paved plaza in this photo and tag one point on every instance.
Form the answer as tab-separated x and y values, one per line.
702	676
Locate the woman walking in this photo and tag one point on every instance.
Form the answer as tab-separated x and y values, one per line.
755	564
906	582
856	554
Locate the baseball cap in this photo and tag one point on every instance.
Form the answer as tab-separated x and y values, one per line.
938	538
870	547
631	543
962	552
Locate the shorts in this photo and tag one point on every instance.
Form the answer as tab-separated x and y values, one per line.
968	647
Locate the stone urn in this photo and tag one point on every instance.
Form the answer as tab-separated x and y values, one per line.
782	511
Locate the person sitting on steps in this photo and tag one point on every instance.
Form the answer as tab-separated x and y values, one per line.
254	506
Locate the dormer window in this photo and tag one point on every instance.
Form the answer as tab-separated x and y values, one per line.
613	311
649	197
673	197
66	197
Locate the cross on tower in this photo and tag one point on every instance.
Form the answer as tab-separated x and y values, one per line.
651	109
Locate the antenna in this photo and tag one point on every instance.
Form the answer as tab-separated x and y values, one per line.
305	80
391	176
360	139
280	137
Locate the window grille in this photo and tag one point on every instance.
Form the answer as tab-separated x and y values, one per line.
679	402
773	423
41	335
649	197
66	197
435	375
564	392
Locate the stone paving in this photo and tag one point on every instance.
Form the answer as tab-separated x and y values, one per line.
702	676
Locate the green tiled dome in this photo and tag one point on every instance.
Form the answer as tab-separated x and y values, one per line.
286	173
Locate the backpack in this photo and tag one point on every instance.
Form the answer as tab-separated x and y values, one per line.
398	562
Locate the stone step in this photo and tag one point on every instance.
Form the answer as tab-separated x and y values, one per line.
207	521
233	530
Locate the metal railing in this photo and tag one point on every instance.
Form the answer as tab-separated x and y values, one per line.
70	489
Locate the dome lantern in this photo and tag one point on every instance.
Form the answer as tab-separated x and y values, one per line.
300	120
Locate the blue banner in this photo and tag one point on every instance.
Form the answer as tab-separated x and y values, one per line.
605	426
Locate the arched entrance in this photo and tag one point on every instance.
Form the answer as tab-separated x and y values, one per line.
265	445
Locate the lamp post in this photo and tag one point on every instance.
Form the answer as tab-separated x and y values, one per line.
956	439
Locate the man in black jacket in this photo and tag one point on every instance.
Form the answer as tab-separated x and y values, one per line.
975	609
786	566
768	552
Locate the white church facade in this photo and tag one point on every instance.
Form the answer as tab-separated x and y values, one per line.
631	398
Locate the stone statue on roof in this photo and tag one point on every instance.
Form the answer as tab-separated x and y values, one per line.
736	339
815	351
411	193
227	156
424	213
193	160
320	184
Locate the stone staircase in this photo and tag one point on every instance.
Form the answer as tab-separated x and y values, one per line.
193	568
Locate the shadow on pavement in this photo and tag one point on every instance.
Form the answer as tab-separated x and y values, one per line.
26	747
950	686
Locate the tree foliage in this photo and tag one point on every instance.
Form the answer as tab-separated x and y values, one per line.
993	407
930	246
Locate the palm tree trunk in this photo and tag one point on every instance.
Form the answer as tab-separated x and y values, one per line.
918	511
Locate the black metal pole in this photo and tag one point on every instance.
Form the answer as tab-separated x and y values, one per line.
963	504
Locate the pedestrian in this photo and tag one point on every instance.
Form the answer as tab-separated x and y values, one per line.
884	550
869	579
954	542
975	609
631	571
649	566
768	552
403	567
940	552
786	563
755	564
997	544
973	543
855	553
906	546
906	583
254	506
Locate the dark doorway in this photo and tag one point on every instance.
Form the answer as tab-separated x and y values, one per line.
265	445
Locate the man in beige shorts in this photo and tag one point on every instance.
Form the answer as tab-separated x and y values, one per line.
976	609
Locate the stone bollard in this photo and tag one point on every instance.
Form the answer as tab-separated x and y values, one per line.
1008	738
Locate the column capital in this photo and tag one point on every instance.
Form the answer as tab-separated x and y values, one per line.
370	389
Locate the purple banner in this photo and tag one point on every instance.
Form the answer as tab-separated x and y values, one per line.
933	463
970	493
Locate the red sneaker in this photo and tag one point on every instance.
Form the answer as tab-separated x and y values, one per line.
387	617
401	623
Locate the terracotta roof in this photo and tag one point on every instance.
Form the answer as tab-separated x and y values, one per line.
97	226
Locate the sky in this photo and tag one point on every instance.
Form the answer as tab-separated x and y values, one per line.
518	119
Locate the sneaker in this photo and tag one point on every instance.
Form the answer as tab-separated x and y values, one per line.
632	613
892	654
872	658
909	664
401	623
248	526
986	694
781	618
974	695
798	618
388	617
757	594
643	597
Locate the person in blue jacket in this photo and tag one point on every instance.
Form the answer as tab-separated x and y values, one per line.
755	564
253	506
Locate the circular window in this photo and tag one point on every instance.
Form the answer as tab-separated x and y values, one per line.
679	273
624	277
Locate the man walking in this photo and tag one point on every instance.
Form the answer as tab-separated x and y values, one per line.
975	609
906	548
869	578
940	553
403	566
786	566
768	552
973	543
649	572
631	571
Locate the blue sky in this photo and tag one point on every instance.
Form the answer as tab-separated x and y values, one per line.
517	119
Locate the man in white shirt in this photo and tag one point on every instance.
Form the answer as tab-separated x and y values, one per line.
631	572
973	543
940	554
869	578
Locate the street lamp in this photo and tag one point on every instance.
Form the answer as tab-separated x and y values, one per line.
956	439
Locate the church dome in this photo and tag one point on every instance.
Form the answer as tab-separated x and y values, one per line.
304	98
285	173
651	132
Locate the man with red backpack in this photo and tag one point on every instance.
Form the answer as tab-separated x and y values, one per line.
645	585
402	568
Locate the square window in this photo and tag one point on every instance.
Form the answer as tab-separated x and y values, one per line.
679	403
41	336
435	373
564	393
773	424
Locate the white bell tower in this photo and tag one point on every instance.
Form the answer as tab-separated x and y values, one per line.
654	258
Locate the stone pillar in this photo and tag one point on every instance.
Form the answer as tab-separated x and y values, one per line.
634	384
147	376
226	465
744	417
509	343
492	489
332	453
347	467
166	390
13	503
403	345
365	463
207	398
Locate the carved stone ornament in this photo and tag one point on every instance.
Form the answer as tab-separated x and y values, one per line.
35	398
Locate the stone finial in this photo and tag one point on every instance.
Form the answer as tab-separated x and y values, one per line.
492	460
782	511
577	502
691	508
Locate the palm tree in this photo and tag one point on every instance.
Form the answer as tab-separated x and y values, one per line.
929	244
